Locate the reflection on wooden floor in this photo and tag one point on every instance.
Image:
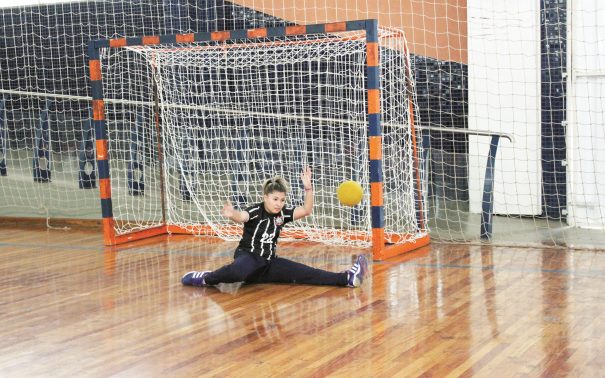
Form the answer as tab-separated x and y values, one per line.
69	306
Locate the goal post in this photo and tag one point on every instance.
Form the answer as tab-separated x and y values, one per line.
184	122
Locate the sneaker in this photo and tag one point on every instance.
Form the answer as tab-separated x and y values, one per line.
357	271
195	278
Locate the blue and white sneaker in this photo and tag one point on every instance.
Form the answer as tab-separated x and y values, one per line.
195	278
357	271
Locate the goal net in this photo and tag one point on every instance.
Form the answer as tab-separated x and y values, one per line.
530	70
191	125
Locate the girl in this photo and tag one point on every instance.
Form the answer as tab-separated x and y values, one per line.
255	260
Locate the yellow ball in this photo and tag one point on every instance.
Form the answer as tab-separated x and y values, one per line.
349	193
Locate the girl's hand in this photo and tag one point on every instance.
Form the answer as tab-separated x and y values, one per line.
228	210
305	176
307	207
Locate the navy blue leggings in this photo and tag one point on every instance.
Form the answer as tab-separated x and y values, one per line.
250	268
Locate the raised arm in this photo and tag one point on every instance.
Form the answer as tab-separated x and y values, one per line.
235	215
307	207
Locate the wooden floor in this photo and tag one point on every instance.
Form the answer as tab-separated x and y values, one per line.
71	307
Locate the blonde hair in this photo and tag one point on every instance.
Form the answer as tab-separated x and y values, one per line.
275	184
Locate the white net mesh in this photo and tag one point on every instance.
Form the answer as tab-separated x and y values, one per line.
529	69
233	115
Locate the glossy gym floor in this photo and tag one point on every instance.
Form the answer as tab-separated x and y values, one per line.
71	307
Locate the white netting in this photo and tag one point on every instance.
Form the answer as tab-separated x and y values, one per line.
529	69
233	115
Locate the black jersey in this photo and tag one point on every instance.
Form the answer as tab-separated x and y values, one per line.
262	229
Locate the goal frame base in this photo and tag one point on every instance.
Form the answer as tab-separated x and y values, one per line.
380	251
